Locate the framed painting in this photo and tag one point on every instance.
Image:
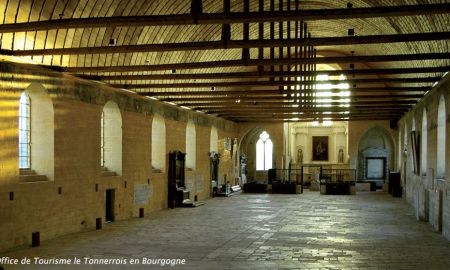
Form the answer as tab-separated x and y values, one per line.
320	148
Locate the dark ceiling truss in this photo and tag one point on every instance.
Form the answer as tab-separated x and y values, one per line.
238	44
279	92
262	62
227	18
286	103
268	98
297	119
295	110
274	83
256	74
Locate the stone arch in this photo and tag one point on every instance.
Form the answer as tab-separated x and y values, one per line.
375	154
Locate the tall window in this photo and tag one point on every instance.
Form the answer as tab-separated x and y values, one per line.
158	143
441	143
36	129
424	151
191	145
24	132
111	137
264	152
102	140
399	147
413	128
213	140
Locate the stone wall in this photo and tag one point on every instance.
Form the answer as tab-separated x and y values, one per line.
73	199
427	192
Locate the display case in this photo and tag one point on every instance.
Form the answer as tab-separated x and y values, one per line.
176	179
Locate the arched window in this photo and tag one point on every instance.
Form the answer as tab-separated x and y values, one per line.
424	144
441	143
191	144
214	137
264	151
24	132
158	143
111	138
36	134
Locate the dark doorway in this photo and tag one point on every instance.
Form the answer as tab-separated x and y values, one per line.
214	173
109	205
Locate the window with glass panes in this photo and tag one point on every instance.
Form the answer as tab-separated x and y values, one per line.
24	132
264	150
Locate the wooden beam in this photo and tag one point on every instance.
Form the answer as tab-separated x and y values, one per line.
282	103
269	92
272	98
297	111
239	44
307	115
221	18
274	83
265	62
293	110
297	119
257	74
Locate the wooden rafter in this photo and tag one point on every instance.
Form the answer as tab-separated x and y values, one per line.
284	103
250	111
263	62
274	83
238	44
297	119
271	98
228	18
256	74
273	92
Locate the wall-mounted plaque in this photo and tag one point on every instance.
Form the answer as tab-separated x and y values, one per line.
142	194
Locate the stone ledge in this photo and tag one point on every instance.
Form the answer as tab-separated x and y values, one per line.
33	178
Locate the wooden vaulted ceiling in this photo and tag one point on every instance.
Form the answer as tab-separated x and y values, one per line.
243	59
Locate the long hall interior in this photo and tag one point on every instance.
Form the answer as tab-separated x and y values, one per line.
224	134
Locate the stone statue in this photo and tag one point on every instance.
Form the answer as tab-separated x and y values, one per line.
341	156
299	156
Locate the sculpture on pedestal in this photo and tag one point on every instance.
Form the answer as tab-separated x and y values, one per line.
299	155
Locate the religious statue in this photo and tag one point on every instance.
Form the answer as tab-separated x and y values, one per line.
341	156
299	156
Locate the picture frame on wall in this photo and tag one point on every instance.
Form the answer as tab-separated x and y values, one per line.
320	148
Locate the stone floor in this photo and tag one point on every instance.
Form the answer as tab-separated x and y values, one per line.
309	231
